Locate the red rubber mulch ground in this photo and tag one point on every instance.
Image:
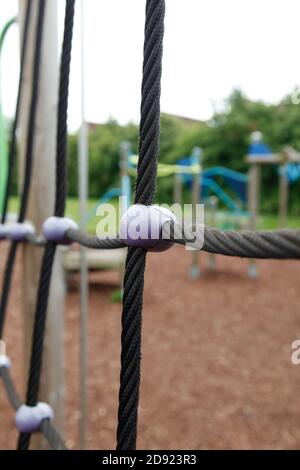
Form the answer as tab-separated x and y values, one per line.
216	369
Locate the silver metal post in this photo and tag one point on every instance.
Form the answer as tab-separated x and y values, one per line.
84	287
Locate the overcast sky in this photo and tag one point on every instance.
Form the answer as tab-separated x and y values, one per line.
211	46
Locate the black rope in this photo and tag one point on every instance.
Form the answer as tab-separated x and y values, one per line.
28	160
13	137
49	254
136	258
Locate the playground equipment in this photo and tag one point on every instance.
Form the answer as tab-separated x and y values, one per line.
104	260
211	194
188	171
288	164
191	170
3	130
34	417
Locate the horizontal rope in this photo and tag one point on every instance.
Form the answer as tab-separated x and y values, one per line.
94	241
264	244
35	240
275	244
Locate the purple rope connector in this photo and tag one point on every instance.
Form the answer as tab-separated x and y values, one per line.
5	362
29	418
141	226
3	232
55	229
18	232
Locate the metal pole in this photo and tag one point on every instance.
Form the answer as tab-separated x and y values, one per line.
253	201
196	154
213	203
125	178
84	287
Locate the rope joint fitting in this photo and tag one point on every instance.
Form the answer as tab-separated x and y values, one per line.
5	362
141	227
3	232
29	418
55	229
18	232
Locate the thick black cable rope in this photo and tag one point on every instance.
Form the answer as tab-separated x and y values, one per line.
13	137
28	160
136	258
60	201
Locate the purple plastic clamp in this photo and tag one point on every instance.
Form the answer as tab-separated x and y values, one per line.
29	418
141	226
17	232
55	229
5	362
3	231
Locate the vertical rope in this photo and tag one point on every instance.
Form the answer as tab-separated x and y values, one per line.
13	137
49	253
136	258
28	158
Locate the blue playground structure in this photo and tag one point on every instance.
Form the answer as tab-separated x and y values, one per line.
237	182
107	196
258	149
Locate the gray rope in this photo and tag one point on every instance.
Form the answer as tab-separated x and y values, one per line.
53	438
93	241
275	244
35	240
10	388
265	244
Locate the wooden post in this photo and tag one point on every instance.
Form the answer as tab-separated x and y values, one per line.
253	203
41	206
283	195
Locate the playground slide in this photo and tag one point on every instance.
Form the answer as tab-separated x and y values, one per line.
209	184
238	182
226	172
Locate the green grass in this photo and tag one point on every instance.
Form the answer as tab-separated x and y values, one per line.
270	222
265	221
72	211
